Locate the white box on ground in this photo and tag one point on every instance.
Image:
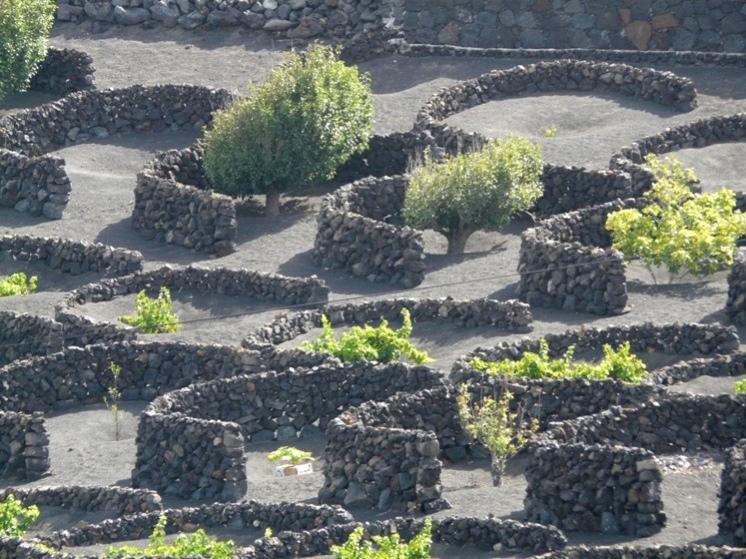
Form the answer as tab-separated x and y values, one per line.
285	470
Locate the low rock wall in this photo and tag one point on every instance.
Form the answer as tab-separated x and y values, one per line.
595	488
64	71
24	446
25	335
118	500
691	551
732	505
735	304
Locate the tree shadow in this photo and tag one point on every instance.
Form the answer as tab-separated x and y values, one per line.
685	291
15	102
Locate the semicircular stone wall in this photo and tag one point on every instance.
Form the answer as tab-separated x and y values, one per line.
35	183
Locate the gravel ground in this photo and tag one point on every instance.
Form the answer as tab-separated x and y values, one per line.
590	128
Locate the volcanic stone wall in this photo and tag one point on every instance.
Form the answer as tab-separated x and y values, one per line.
595	489
691	551
25	335
735	305
64	71
205	425
71	257
572	188
119	500
24	452
359	230
732	506
566	262
665	88
600	24
510	315
33	185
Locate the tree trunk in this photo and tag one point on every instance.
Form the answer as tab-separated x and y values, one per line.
457	241
273	202
497	469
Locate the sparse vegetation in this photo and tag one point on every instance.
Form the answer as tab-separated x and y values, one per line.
311	115
15	519
685	232
473	191
386	547
24	31
740	387
550	132
113	395
617	364
381	343
492	423
293	455
153	316
18	284
196	544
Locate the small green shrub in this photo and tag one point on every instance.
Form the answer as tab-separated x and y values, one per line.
18	284
197	544
381	343
294	455
472	191
617	364
15	519
153	316
112	397
685	232
550	132
24	30
740	387
386	547
493	424
312	114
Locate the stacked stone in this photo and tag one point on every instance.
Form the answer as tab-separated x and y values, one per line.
593	488
735	305
191	441
71	257
25	335
566	262
665	88
360	230
64	71
718	366
24	446
586	24
572	188
700	133
84	115
510	315
696	58
732	506
34	185
119	500
296	19
691	551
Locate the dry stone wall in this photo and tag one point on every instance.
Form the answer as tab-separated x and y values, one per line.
604	24
735	305
732	506
24	335
691	551
118	500
24	452
64	71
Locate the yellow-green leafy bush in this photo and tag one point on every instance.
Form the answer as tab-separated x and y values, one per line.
153	316
18	284
386	547
15	519
472	191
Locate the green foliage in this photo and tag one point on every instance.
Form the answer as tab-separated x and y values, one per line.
153	316
472	191
685	232
18	284
740	387
24	30
196	544
386	547
113	395
311	115
493	424
15	519
550	132
618	364
294	455
381	343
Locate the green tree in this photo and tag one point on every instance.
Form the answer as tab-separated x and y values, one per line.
311	115
472	191
24	30
15	519
685	232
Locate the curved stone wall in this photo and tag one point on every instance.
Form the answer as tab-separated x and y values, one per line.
510	315
735	304
233	282
24	452
665	88
691	551
119	500
37	184
64	71
25	335
206	424
732	506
